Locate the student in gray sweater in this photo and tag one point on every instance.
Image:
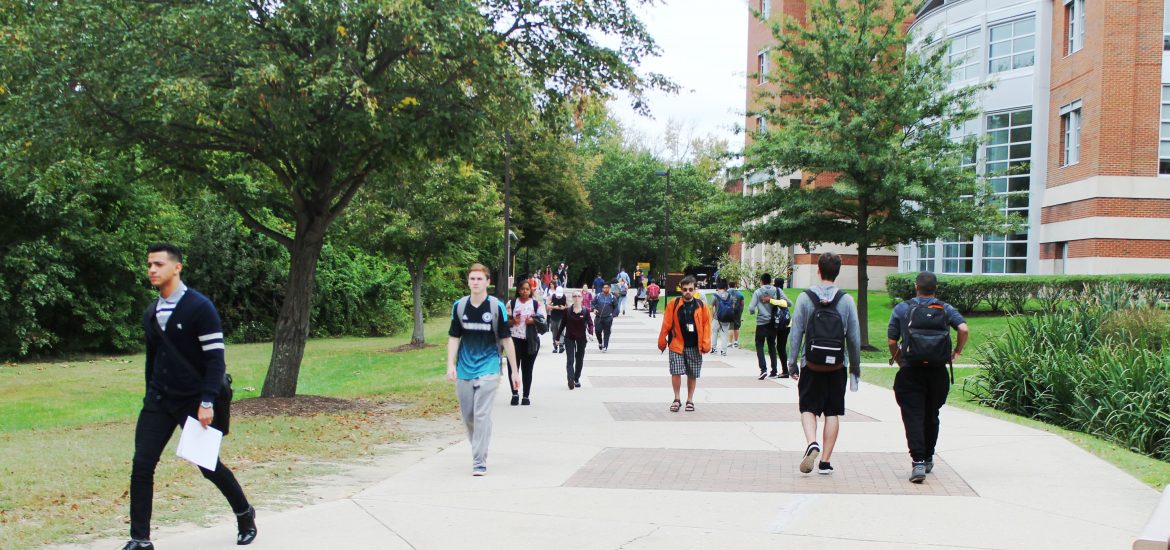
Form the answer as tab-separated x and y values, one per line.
821	385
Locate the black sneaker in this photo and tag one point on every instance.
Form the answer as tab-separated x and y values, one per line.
763	375
772	374
246	527
929	465
825	469
139	545
784	375
810	457
918	472
515	400
570	384
577	383
525	401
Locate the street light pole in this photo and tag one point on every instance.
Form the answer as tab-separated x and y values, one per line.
505	272
666	236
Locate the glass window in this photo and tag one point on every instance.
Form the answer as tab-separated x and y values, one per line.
1012	45
926	254
1074	16
958	256
761	67
1164	135
1070	127
1166	25
1009	154
964	52
761	124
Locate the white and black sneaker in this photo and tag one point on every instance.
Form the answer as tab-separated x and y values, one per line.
825	469
810	457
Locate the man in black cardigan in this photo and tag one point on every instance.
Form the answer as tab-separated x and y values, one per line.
175	391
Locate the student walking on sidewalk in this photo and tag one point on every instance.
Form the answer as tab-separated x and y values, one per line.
479	325
686	329
574	328
652	292
920	341
826	335
722	315
771	310
522	318
605	306
185	373
558	302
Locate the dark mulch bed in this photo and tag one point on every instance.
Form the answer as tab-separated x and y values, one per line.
301	405
410	347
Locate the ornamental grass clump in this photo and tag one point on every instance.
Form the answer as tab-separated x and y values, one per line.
1094	365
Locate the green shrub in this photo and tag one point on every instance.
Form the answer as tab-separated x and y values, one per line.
1094	364
1009	293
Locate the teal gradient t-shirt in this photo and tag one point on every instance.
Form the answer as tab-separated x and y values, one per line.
478	351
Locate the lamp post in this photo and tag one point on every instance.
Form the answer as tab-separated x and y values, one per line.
506	269
666	233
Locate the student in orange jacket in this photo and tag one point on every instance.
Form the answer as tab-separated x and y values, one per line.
686	326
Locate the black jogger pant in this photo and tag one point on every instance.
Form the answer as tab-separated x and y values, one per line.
574	358
604	329
526	363
766	334
921	392
156	424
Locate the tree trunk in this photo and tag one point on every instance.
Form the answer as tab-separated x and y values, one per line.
417	273
292	325
863	293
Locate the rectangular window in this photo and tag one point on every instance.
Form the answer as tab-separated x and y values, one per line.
1074	16
958	256
766	8
761	124
1070	133
1166	26
1008	158
1164	133
1012	45
965	51
926	254
761	67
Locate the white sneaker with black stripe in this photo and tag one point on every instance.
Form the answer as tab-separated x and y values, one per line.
810	457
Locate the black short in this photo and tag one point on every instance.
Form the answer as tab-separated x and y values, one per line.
822	392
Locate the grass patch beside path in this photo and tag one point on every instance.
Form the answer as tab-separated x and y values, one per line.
67	435
1150	471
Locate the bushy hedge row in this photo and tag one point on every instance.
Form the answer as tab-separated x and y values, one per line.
1098	364
1010	293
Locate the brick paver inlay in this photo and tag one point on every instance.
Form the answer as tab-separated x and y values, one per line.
651	363
662	381
762	472
715	412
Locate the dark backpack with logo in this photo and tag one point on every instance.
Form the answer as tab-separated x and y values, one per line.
927	341
781	316
736	303
725	309
824	333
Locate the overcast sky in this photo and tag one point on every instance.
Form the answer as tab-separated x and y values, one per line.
704	45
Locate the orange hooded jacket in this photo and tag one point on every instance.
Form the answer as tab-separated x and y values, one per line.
671	326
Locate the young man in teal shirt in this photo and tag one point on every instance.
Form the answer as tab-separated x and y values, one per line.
479	327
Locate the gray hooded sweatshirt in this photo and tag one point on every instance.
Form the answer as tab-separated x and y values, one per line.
804	310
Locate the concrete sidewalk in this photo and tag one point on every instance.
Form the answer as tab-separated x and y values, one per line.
606	466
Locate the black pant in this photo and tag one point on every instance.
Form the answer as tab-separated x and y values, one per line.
604	330
554	323
527	361
773	338
921	392
636	300
652	304
156	424
574	358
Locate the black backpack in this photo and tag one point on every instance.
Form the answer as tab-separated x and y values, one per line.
824	333
781	316
927	340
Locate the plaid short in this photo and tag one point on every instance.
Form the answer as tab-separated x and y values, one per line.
689	362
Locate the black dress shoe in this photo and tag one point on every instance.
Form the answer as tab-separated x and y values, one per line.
246	522
138	545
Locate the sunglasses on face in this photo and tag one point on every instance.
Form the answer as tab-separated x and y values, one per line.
688	289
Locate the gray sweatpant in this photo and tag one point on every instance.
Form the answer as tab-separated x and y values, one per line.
476	397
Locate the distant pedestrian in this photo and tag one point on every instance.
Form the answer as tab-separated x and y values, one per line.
623	276
826	336
920	341
557	303
597	284
546	278
687	331
722	315
563	274
479	326
575	328
185	374
652	292
638	287
771	309
737	300
605	308
622	292
522	318
586	297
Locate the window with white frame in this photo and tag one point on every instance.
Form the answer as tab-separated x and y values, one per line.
766	8
761	124
1008	157
1070	133
926	255
761	67
1074	17
958	255
965	50
1012	45
1166	26
1164	133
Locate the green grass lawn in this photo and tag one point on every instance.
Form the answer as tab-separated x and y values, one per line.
67	433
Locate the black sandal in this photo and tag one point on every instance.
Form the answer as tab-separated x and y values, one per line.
675	406
690	407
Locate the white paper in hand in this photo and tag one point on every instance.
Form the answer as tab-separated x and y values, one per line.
199	445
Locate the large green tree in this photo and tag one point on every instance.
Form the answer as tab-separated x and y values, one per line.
870	123
286	108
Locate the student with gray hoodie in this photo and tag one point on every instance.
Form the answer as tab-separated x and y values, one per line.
767	302
826	335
